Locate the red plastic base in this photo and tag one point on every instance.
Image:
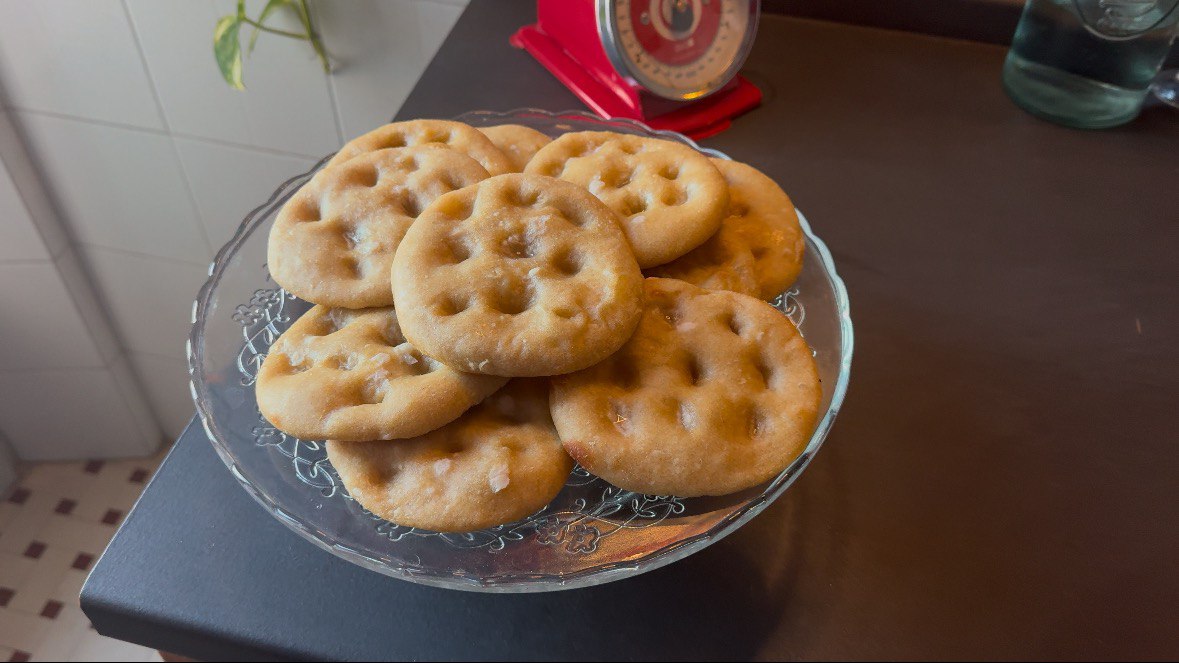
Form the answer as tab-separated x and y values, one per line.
613	98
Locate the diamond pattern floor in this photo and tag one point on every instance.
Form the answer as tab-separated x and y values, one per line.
54	524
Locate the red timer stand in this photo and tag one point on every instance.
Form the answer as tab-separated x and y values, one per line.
565	40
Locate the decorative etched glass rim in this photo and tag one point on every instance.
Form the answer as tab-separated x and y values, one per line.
511	582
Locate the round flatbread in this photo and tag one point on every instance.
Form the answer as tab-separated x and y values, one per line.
498	463
518	275
455	135
715	392
670	197
333	241
758	249
518	142
351	375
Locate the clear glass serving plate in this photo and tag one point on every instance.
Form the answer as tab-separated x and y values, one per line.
590	534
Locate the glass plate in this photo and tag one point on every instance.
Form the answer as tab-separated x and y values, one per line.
590	534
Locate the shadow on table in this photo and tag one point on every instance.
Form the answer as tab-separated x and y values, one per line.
721	603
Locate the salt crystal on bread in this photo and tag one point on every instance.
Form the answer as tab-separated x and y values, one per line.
498	479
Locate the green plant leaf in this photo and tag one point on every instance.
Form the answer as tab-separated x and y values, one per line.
312	36
304	16
228	50
266	12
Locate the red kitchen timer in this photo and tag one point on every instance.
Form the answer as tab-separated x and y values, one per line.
669	63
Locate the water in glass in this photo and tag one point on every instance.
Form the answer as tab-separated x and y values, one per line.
1088	63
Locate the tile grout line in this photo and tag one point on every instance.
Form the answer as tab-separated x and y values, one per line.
21	196
151	432
70	243
192	199
242	146
28	261
73	299
159	132
329	79
204	265
105	319
122	353
157	420
56	369
156	355
89	120
155	95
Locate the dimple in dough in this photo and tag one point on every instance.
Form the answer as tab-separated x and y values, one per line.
758	250
518	275
351	375
669	197
333	241
715	392
499	462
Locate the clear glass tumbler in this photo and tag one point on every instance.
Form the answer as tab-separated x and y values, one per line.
1088	63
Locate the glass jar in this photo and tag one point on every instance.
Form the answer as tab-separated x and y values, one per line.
1088	63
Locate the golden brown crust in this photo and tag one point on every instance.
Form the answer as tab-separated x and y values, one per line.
670	197
519	275
517	142
455	135
758	249
499	462
333	241
715	392
351	375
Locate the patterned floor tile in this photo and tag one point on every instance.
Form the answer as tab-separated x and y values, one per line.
95	647
82	562
53	526
22	631
14	569
65	635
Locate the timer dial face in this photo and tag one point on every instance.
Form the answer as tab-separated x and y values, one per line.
678	49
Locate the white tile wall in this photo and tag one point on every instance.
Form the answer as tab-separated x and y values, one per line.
228	182
19	239
151	162
378	54
75	57
286	105
58	346
34	203
40	326
69	413
142	413
150	298
95	316
118	188
435	19
166	380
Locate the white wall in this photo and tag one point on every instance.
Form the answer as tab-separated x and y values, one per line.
152	161
66	389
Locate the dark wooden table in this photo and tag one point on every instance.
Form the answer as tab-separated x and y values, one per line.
1003	481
